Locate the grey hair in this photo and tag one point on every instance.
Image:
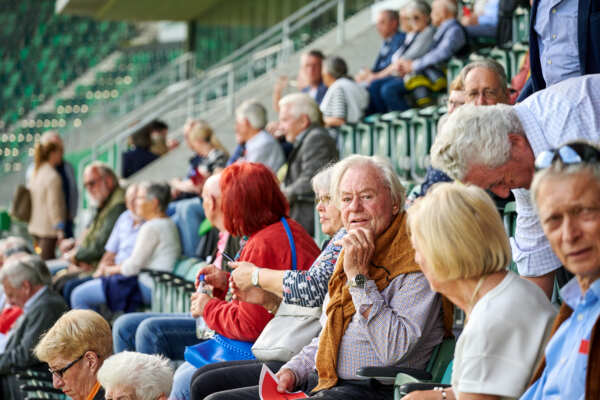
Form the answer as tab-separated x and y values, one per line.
561	170
14	244
149	375
382	165
160	192
28	268
489	64
302	104
104	170
254	112
450	6
419	6
321	182
336	67
475	135
391	14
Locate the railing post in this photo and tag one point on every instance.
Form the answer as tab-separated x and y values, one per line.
340	22
230	90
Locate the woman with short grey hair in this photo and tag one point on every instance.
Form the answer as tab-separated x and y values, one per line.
345	100
157	247
136	376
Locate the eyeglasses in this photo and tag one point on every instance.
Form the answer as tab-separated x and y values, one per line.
91	183
491	94
60	372
574	153
325	199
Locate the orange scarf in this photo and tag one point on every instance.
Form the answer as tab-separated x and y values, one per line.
94	392
393	251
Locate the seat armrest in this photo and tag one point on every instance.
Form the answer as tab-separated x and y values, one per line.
391	372
411	387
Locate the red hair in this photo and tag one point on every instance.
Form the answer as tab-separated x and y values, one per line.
250	198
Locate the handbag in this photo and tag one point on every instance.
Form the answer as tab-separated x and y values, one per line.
21	204
220	348
292	328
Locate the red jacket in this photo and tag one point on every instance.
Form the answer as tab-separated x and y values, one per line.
268	248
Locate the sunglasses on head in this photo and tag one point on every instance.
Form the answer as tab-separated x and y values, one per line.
574	153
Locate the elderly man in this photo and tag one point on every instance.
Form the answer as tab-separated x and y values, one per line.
299	118
482	82
136	376
387	25
566	192
109	201
494	147
260	146
449	40
379	309
25	282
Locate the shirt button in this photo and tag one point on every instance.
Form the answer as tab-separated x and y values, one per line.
554	11
579	317
553	36
563	360
549	61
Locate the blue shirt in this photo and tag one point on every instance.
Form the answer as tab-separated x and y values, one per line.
567	352
562	113
556	31
449	38
123	236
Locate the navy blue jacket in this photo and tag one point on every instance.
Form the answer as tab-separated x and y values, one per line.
384	58
588	34
136	159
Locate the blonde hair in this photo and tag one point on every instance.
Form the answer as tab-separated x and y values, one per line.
457	84
76	332
41	152
202	131
459	232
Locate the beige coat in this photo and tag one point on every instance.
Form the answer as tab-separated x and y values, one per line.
47	202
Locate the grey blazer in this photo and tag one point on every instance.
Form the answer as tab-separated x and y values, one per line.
313	149
420	45
38	319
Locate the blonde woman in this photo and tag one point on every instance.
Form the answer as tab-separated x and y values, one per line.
48	208
74	349
463	250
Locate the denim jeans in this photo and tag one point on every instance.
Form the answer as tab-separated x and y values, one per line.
182	381
90	295
155	333
187	214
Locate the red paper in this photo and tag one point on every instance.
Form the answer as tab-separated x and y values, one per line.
268	387
584	347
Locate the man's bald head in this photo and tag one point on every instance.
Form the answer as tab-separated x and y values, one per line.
211	201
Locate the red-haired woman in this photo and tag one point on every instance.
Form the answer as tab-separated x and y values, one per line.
253	207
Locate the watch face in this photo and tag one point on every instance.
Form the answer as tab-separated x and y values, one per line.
360	280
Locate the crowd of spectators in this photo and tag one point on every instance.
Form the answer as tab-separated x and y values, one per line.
396	267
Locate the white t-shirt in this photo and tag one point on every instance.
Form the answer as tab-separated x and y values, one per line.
157	247
503	340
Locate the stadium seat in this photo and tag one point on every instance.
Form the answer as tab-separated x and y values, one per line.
401	143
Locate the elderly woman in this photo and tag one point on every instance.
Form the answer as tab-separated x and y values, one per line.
74	349
463	250
304	288
157	247
48	207
345	100
136	376
566	190
375	284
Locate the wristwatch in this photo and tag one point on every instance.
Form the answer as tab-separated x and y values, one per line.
358	281
254	278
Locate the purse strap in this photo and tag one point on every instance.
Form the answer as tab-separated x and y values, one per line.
290	237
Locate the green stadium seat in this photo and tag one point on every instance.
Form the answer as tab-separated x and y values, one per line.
422	132
346	140
401	144
521	25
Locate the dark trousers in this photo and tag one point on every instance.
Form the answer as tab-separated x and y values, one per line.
48	247
238	380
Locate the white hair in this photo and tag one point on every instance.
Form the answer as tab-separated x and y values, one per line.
302	104
382	165
27	268
475	135
450	6
321	182
254	112
149	375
